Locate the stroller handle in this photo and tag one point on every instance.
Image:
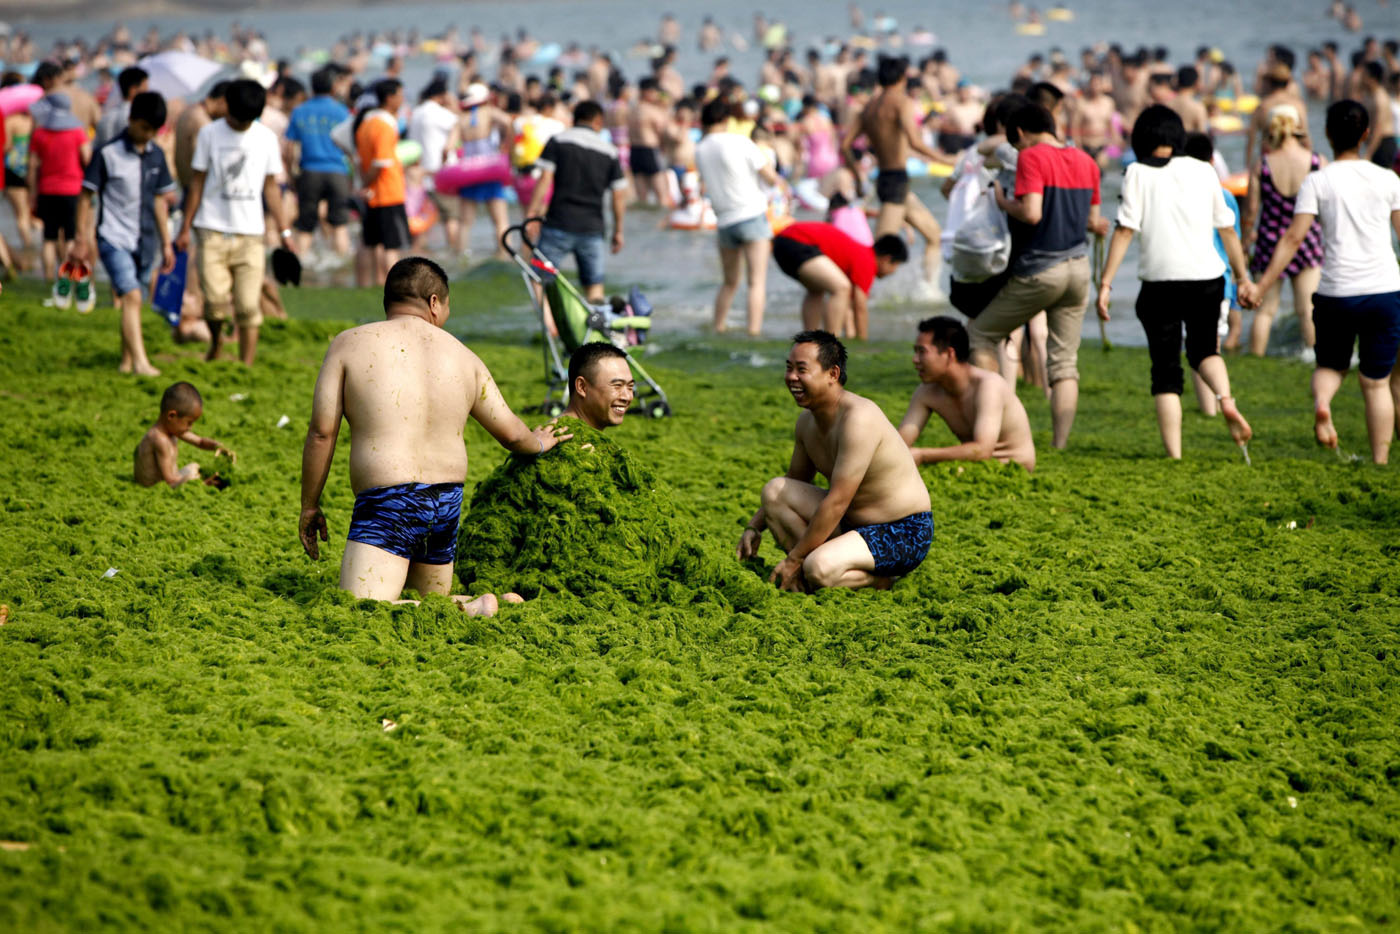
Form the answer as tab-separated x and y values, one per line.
519	230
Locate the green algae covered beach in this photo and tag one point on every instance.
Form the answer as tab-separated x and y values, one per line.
1120	695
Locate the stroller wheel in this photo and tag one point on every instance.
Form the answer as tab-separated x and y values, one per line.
658	410
554	408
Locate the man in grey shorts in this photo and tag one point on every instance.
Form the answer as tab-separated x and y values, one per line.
731	167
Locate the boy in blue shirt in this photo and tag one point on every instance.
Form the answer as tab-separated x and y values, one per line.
128	178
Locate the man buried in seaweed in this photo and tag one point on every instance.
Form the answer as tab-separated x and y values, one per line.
873	524
406	387
600	385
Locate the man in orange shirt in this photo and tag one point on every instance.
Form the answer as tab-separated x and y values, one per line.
384	220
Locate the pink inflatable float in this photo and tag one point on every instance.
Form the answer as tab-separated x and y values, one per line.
474	170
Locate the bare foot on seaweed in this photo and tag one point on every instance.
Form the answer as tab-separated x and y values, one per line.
485	605
1239	428
512	598
1323	428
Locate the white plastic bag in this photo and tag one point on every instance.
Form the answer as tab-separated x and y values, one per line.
982	243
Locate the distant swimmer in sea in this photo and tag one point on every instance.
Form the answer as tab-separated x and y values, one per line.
979	406
873	523
407	388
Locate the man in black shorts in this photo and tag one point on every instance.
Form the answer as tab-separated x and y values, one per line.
890	124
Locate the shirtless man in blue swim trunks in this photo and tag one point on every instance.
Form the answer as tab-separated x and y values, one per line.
406	387
874	523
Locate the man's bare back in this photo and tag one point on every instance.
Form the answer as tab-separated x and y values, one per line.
408	389
1192	112
187	128
891	487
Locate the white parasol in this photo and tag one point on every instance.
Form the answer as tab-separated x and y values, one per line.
178	74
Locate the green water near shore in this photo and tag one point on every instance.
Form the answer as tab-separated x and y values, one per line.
1120	695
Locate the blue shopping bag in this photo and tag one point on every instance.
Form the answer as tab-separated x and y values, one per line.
170	291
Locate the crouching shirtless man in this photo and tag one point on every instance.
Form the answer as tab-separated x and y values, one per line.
406	387
873	524
979	406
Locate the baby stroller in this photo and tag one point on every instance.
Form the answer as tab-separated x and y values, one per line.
619	322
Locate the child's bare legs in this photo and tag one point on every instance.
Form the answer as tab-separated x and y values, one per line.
1232	336
1304	287
1204	397
1009	357
50	254
1380	416
1038	334
19	201
1325	383
1264	320
499	212
134	358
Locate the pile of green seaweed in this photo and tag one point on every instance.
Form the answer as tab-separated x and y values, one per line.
587	518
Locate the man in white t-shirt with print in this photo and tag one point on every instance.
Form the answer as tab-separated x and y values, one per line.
235	167
730	167
1358	300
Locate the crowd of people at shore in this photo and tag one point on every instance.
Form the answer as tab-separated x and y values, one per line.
267	160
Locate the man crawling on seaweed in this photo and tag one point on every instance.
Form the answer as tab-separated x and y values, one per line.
874	523
407	388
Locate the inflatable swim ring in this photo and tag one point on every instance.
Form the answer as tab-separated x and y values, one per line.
409	152
1030	29
474	170
1237	184
1226	123
1060	14
697	215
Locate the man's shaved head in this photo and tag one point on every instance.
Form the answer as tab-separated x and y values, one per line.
414	280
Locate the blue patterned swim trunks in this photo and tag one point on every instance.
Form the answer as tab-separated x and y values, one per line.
417	521
899	546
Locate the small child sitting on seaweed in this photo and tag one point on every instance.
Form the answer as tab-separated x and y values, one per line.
180	407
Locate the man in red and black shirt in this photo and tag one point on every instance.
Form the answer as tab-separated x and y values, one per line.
837	273
1056	204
